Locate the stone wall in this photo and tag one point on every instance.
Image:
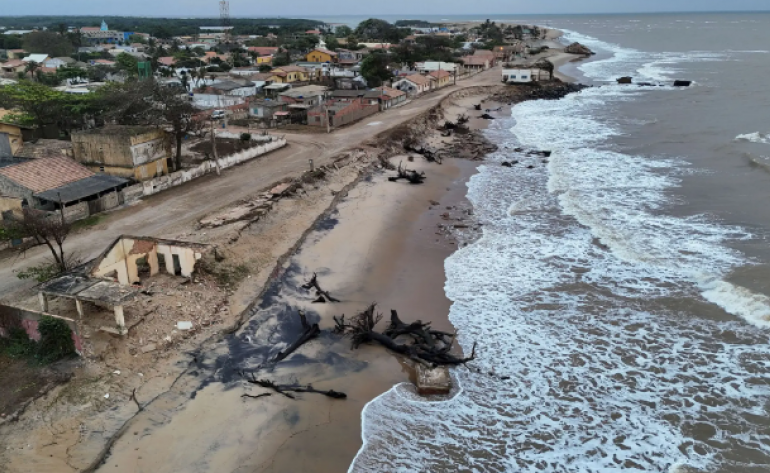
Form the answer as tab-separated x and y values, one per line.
158	184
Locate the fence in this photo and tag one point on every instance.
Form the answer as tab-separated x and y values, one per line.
178	178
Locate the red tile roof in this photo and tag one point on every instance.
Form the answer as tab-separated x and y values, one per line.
44	174
167	61
439	74
418	79
475	61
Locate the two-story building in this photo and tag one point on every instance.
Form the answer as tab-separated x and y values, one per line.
289	75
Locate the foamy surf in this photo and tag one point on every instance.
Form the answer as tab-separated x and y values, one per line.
755	137
587	296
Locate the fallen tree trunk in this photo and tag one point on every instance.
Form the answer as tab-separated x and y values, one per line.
413	177
309	333
286	390
323	296
429	347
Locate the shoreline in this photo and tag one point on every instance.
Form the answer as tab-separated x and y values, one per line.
395	290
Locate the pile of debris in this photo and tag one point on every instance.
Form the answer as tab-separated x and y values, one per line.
473	146
577	48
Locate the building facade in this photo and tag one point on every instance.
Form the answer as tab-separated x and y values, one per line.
131	152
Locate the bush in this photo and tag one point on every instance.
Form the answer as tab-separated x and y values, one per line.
246	137
18	344
40	273
55	340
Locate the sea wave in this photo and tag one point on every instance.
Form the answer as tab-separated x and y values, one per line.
755	137
602	341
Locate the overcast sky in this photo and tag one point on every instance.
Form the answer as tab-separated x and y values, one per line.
405	8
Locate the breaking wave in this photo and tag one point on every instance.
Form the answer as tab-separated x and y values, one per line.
603	342
756	137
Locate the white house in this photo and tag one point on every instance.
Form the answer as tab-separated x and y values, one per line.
36	58
58	62
519	75
415	84
430	66
209	101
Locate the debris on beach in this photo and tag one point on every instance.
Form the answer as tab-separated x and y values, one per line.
682	83
309	332
428	347
287	389
412	176
625	80
323	296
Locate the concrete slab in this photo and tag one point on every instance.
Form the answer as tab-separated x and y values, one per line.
433	381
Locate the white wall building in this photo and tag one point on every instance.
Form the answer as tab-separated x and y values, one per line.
518	76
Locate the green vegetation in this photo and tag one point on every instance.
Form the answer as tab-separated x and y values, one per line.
374	68
55	342
415	24
50	43
40	273
89	221
380	30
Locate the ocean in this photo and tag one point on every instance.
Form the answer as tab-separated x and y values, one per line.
620	294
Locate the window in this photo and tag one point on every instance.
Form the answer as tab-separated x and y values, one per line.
101	168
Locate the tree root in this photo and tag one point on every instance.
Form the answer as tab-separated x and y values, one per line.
323	296
287	390
309	333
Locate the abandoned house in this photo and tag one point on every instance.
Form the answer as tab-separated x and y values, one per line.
139	153
52	183
110	281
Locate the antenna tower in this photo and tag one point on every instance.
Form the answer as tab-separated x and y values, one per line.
224	12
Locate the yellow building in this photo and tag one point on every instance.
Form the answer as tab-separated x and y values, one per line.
321	55
15	137
442	78
289	74
264	60
141	153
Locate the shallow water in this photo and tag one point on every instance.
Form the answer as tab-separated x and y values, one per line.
619	286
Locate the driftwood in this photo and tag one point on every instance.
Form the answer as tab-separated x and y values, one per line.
413	177
287	390
257	396
323	296
309	333
428	347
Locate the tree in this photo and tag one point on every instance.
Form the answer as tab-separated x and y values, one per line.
380	30
265	68
331	43
42	104
343	31
136	38
128	63
44	229
374	68
48	42
30	69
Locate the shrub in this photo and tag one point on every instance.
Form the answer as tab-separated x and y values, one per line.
40	273
246	137
55	340
17	344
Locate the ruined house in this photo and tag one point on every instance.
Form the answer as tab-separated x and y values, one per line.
140	153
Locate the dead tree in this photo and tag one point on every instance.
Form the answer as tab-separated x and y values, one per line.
309	333
43	229
413	177
287	390
323	296
428	347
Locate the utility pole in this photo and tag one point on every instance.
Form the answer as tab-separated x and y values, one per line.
326	112
214	148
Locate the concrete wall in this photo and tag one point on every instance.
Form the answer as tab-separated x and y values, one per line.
14	136
122	259
9	204
158	184
11	189
75	212
30	319
119	150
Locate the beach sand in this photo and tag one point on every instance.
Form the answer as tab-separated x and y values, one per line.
382	244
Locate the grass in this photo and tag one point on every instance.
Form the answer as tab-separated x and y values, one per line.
87	222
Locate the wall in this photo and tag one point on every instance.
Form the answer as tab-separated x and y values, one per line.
158	184
11	189
76	212
149	151
14	136
30	319
118	150
9	204
122	259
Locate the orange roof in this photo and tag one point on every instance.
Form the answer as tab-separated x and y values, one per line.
439	74
13	63
264	50
390	92
475	61
418	79
324	51
40	175
167	61
104	61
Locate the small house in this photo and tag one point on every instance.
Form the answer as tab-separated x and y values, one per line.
443	78
321	55
519	75
414	84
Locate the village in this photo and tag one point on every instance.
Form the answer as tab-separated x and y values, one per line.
152	185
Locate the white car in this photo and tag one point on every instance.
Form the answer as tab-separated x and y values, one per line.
217	114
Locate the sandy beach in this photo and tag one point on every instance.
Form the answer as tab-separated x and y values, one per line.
375	242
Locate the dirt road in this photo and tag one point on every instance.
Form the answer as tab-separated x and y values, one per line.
175	211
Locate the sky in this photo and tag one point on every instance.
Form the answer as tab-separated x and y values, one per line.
402	8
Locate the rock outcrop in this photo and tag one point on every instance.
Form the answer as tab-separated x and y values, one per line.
577	48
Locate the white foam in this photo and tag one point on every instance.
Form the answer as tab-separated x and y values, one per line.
571	294
755	137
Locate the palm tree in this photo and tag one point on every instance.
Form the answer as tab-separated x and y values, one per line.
31	67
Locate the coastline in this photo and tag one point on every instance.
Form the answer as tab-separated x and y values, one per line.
399	265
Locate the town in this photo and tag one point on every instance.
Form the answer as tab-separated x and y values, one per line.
156	175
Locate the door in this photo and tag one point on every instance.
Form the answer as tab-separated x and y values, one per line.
177	265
